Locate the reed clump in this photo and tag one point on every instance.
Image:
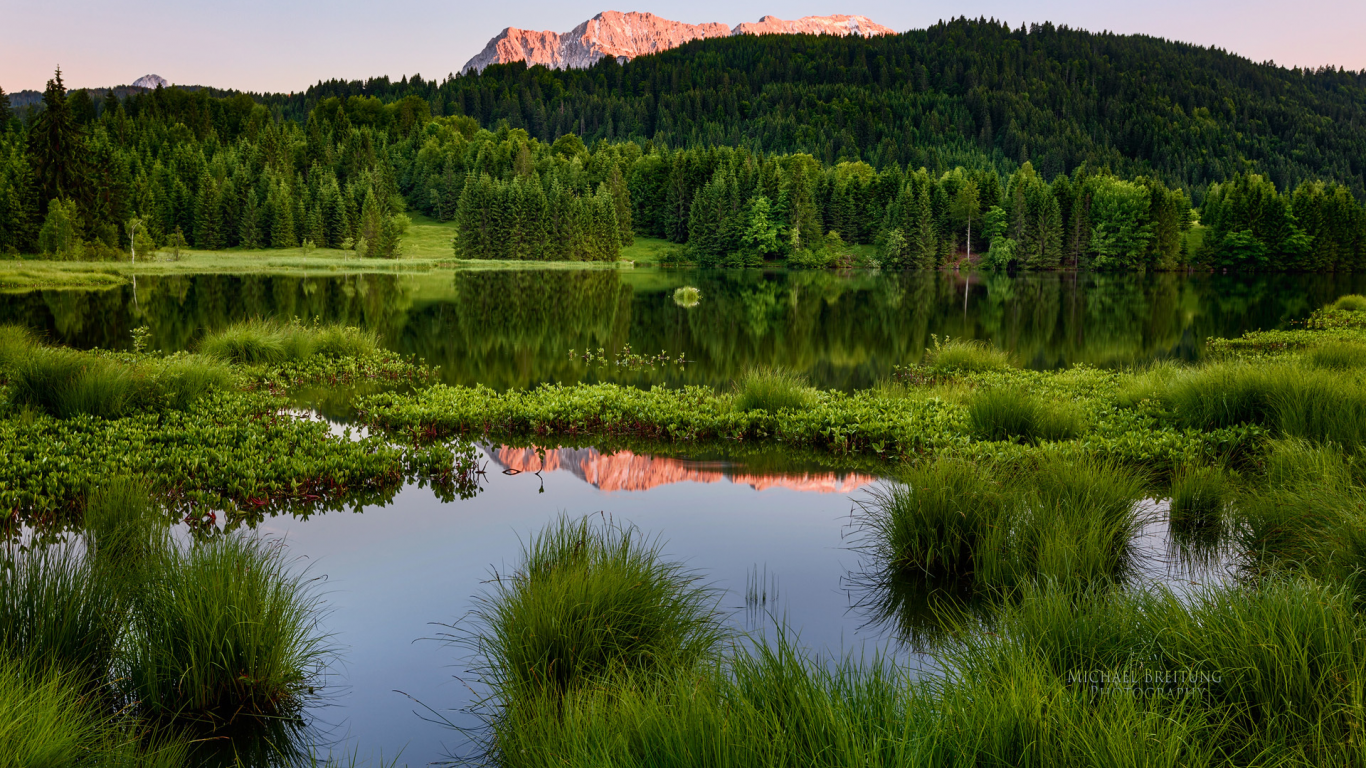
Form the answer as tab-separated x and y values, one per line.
1338	356
1289	399
268	342
16	343
1200	499
1010	413
66	383
772	390
589	600
1352	302
223	629
952	522
965	356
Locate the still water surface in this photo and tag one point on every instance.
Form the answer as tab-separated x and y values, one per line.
397	574
517	328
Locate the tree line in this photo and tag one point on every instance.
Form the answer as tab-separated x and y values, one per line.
80	179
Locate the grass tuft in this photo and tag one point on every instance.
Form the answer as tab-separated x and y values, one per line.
224	630
67	383
590	600
1339	356
1008	413
965	356
772	390
1350	303
258	342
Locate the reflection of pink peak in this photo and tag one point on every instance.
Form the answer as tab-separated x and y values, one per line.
626	471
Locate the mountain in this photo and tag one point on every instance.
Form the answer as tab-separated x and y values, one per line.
150	82
628	35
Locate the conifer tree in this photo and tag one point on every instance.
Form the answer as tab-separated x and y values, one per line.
57	149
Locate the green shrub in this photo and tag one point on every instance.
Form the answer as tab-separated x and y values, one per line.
224	630
591	600
965	356
1007	413
1350	303
1343	355
56	609
772	390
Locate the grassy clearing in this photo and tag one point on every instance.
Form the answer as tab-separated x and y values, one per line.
647	250
14	277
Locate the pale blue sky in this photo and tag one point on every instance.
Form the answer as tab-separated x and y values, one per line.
285	45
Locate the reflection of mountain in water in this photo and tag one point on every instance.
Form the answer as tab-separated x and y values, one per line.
627	471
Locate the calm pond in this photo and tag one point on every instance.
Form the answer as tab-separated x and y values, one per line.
517	328
773	539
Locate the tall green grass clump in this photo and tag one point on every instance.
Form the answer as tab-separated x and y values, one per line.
1339	356
125	533
772	390
934	520
57	610
16	344
1008	413
1352	302
591	599
953	522
224	629
965	356
67	383
258	342
1078	528
1293	401
1200	499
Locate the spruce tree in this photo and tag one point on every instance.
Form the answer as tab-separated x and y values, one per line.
6	112
57	149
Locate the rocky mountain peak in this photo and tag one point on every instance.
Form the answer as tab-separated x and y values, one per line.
150	82
627	35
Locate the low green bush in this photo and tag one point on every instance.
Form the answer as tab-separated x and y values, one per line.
590	600
772	390
1009	413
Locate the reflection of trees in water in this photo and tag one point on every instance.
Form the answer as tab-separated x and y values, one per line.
179	308
516	328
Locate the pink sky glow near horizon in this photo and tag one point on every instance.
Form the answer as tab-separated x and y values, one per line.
287	45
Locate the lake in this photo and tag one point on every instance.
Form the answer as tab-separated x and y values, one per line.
774	538
516	328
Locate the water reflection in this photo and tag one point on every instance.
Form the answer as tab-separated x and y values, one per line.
517	328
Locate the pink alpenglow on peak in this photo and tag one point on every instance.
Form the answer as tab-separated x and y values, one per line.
610	33
628	35
838	24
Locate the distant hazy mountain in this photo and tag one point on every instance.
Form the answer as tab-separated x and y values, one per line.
627	35
150	82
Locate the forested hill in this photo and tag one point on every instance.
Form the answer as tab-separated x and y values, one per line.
959	93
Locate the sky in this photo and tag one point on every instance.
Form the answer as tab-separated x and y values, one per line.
287	45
